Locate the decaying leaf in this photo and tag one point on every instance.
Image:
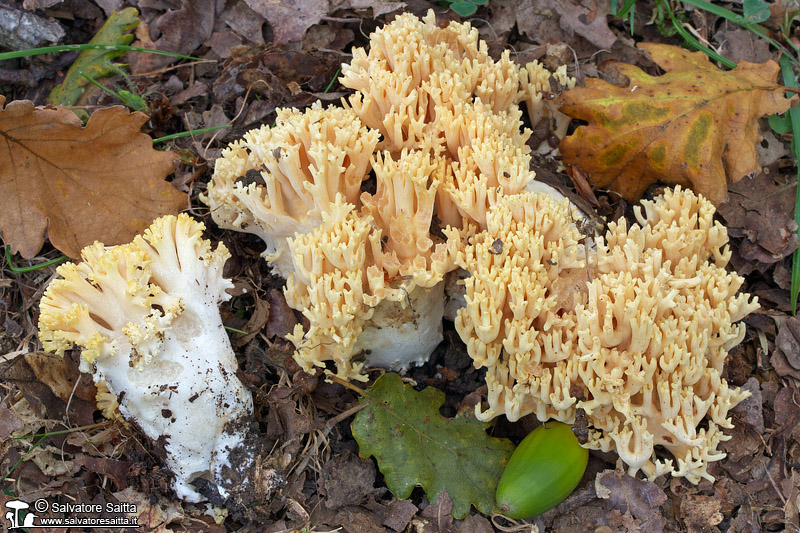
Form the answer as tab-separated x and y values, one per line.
290	20
635	498
116	470
558	20
760	212
96	63
9	421
152	513
348	480
415	445
183	28
103	182
786	356
694	126
61	374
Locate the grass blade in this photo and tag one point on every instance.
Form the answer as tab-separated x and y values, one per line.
689	38
794	118
188	133
87	46
19	270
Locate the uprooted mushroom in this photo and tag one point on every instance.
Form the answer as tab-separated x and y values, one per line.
637	338
145	316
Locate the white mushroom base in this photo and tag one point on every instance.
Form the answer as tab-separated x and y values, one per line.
400	334
188	399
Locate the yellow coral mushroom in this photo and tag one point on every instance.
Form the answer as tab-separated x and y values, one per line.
490	161
279	181
356	315
452	146
642	331
537	90
414	67
402	208
328	284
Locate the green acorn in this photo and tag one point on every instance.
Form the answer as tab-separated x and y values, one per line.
544	469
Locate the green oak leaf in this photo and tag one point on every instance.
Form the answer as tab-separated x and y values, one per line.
415	445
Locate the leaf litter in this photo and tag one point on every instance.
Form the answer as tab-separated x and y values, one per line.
102	182
757	485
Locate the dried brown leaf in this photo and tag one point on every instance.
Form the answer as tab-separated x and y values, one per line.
400	513
590	23
787	414
358	520
760	211
700	512
116	470
103	182
786	356
348	480
536	20
244	21
635	498
60	374
743	45
9	421
751	409
183	30
152	513
258	319
290	21
281	317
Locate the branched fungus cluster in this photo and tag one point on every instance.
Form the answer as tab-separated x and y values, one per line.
435	121
633	328
636	336
637	339
146	319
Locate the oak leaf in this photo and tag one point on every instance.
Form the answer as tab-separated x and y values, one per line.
415	445
693	126
101	182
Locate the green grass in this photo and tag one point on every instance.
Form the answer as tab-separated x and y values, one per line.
188	133
19	270
790	80
70	47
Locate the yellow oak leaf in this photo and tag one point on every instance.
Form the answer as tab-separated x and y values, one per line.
695	126
103	182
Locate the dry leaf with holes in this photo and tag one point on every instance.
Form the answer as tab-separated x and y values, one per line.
62	376
102	182
695	126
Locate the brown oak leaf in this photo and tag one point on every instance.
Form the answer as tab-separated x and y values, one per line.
102	182
695	126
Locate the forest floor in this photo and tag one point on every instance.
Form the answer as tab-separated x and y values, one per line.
246	73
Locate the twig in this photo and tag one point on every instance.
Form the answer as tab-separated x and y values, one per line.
172	67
